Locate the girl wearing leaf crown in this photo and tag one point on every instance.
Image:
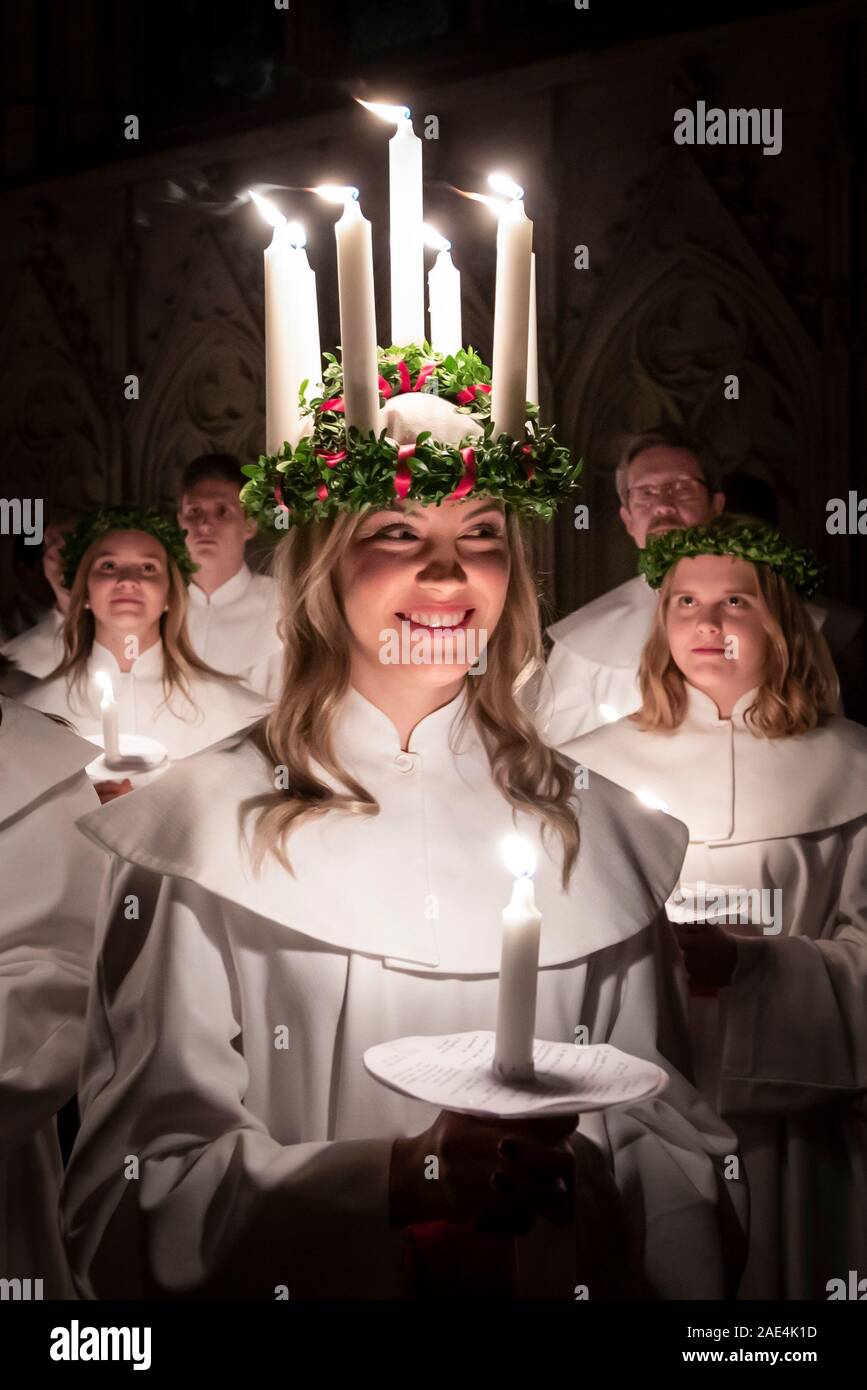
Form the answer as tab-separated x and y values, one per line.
127	572
333	880
737	736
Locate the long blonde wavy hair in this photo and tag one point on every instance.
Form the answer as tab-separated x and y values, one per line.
800	687
316	678
79	631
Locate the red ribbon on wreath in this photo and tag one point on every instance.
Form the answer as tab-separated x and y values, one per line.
402	474
531	467
331	459
468	394
468	480
278	497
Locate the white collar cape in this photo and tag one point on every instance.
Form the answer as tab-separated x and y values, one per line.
730	785
422	885
229	592
149	665
611	630
36	754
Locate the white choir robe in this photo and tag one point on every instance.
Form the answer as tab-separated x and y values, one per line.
594	661
782	1050
222	705
392	926
235	629
39	650
50	885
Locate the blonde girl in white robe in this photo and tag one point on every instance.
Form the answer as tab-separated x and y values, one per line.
737	737
257	941
126	618
50	885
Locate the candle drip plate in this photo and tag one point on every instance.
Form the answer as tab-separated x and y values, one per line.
455	1071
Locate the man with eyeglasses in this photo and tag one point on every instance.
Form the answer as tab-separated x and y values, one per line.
665	479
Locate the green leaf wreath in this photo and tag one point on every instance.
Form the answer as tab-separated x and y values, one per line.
336	469
747	539
99	523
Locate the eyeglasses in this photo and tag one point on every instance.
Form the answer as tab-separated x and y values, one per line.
646	495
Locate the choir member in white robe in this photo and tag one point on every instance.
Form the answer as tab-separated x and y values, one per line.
233	613
38	651
126	619
777	849
230	1015
50	884
665	479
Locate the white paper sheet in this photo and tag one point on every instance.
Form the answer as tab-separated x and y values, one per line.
455	1072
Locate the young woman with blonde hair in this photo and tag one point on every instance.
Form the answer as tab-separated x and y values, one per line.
333	880
737	736
126	570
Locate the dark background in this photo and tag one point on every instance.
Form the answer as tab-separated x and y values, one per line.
126	257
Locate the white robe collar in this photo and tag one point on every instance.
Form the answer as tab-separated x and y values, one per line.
148	666
227	593
611	630
730	785
36	754
421	885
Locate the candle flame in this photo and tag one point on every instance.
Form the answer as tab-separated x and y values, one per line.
295	233
501	183
103	680
336	192
495	204
388	113
433	239
272	215
609	713
649	799
519	856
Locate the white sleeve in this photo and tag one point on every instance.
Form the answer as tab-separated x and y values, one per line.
175	1187
669	1155
796	1009
569	695
51	879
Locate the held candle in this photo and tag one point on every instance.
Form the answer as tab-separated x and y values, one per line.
110	727
519	968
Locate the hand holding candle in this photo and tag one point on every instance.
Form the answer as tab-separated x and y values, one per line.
519	967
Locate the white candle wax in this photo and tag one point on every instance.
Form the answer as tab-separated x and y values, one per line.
519	966
444	286
533	340
357	318
405	235
292	352
110	724
511	321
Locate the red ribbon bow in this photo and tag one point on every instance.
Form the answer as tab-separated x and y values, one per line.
402	474
331	459
468	394
531	467
468	480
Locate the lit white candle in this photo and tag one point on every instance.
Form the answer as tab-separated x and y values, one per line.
110	726
511	313
292	352
406	213
519	967
444	291
533	340
357	310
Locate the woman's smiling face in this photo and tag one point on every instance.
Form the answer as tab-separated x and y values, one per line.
716	624
435	576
